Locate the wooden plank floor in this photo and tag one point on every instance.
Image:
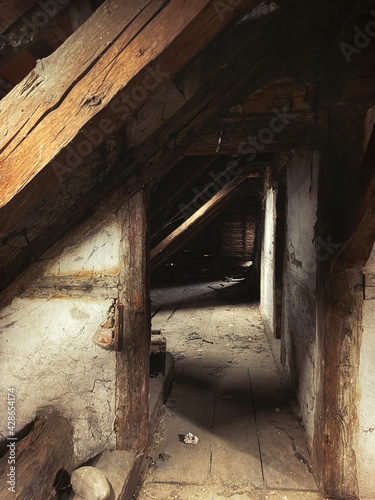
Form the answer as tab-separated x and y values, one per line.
228	393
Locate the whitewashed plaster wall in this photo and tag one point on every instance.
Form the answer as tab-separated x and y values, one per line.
299	284
267	282
46	348
365	434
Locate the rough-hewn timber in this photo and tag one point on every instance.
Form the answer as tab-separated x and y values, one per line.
144	44
167	145
347	218
70	286
45	452
133	359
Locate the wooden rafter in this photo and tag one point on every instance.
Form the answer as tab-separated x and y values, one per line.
270	132
144	44
176	240
164	147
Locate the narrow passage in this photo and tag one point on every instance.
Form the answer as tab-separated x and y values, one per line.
228	393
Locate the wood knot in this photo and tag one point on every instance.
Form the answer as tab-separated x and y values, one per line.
95	100
141	52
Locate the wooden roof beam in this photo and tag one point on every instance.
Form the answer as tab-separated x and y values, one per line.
151	159
203	216
281	130
257	172
144	43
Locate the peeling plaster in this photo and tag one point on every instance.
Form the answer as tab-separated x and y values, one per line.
299	287
47	350
50	359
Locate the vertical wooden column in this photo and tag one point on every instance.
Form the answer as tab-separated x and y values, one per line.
346	216
132	386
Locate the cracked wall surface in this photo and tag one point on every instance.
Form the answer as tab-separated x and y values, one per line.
95	254
299	286
47	352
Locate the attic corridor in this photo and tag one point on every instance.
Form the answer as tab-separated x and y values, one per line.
228	393
155	137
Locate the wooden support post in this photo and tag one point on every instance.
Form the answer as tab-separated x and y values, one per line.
346	216
132	385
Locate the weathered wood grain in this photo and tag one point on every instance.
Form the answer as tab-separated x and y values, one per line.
40	456
75	287
140	39
133	361
347	217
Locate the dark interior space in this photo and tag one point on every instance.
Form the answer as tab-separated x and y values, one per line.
187	260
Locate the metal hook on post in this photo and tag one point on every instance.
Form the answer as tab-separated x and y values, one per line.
119	327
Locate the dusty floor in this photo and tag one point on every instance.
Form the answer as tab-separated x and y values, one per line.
228	393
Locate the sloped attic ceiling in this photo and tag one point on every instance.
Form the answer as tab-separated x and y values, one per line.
133	89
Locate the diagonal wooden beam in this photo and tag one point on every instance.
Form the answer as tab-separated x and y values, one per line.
162	150
144	43
177	239
219	179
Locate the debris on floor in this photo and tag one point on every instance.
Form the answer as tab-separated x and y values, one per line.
190	439
227	392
